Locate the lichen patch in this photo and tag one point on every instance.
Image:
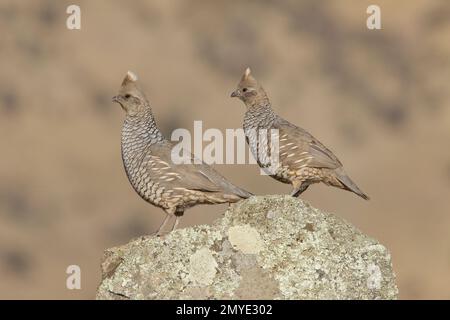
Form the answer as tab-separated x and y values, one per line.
245	239
202	267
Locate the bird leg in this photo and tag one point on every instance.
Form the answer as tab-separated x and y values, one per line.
159	232
178	214
177	220
298	191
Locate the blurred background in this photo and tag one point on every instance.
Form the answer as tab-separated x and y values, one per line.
378	98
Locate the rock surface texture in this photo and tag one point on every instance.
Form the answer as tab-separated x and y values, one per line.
266	247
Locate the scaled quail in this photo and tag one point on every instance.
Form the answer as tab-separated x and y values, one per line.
302	159
146	155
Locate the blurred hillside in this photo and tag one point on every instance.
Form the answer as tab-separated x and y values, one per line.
378	99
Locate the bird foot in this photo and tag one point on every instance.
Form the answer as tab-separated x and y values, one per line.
159	234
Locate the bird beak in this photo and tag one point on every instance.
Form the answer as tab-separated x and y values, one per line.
115	99
235	94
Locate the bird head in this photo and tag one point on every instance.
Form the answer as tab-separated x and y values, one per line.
130	96
248	89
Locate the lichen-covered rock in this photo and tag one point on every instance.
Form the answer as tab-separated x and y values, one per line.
271	247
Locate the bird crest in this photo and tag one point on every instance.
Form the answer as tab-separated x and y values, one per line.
248	80
130	86
247	72
130	77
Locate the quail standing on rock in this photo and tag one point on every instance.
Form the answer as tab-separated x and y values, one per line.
302	159
146	155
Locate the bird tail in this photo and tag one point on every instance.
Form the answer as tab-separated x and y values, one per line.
230	191
349	185
243	193
235	196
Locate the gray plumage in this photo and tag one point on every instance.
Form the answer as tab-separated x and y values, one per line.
303	160
147	160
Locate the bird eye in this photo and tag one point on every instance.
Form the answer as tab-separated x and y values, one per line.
127	96
244	90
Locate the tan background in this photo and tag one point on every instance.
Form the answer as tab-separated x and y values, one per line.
378	99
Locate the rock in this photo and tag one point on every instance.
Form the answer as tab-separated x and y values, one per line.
265	247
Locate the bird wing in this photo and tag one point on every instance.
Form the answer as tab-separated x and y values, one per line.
298	148
192	176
